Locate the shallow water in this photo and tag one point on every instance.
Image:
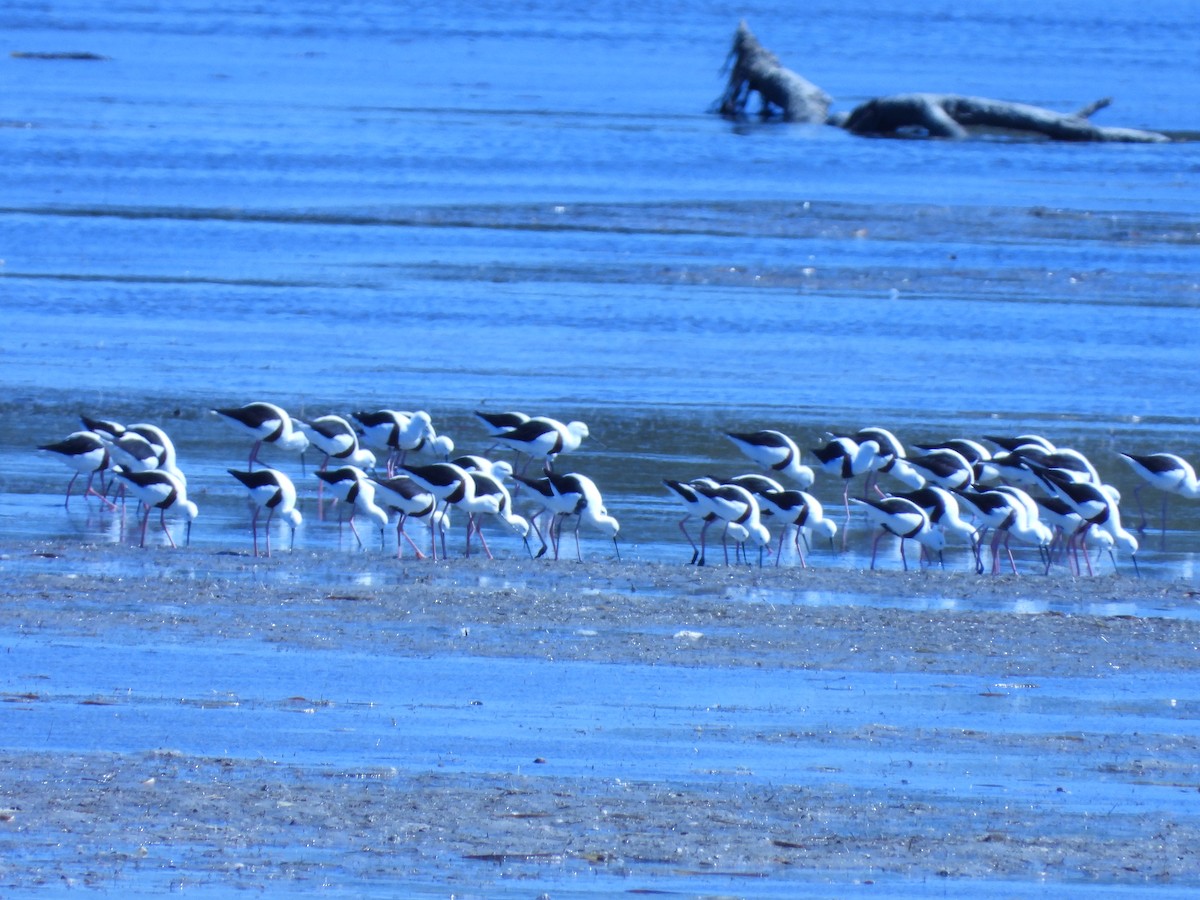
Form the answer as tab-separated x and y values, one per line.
234	205
478	206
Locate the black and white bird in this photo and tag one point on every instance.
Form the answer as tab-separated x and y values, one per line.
105	429
351	485
85	453
741	513
1097	504
394	432
776	451
847	459
164	491
944	513
273	491
695	504
943	467
796	508
492	498
571	494
411	501
906	520
1169	473
544	438
337	439
267	424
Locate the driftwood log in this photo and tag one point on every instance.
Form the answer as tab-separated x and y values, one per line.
956	116
755	70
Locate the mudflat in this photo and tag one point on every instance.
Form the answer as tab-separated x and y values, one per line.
500	728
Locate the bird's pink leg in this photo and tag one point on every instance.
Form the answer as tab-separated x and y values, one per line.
799	552
162	520
400	532
267	531
483	540
695	549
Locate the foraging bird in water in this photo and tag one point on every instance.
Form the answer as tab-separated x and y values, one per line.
776	451
86	453
273	491
1169	473
266	423
351	485
906	520
543	438
161	490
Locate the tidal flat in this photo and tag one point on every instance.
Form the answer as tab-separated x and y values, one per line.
349	725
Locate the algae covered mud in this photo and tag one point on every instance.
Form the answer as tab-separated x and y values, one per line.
516	729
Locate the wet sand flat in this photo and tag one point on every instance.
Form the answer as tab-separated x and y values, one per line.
503	728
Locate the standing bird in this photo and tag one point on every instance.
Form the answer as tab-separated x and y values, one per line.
740	511
696	504
576	495
161	490
552	503
1022	440
351	485
1169	473
133	452
410	501
272	490
943	467
494	499
84	452
543	438
906	520
267	424
394	432
1096	504
944	513
979	456
797	508
846	458
776	451
450	485
337	439
1024	523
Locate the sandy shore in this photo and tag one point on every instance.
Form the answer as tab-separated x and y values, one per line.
147	818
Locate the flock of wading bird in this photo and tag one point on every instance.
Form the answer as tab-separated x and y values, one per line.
389	465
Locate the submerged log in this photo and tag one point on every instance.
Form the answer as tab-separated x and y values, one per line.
956	116
753	69
783	93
